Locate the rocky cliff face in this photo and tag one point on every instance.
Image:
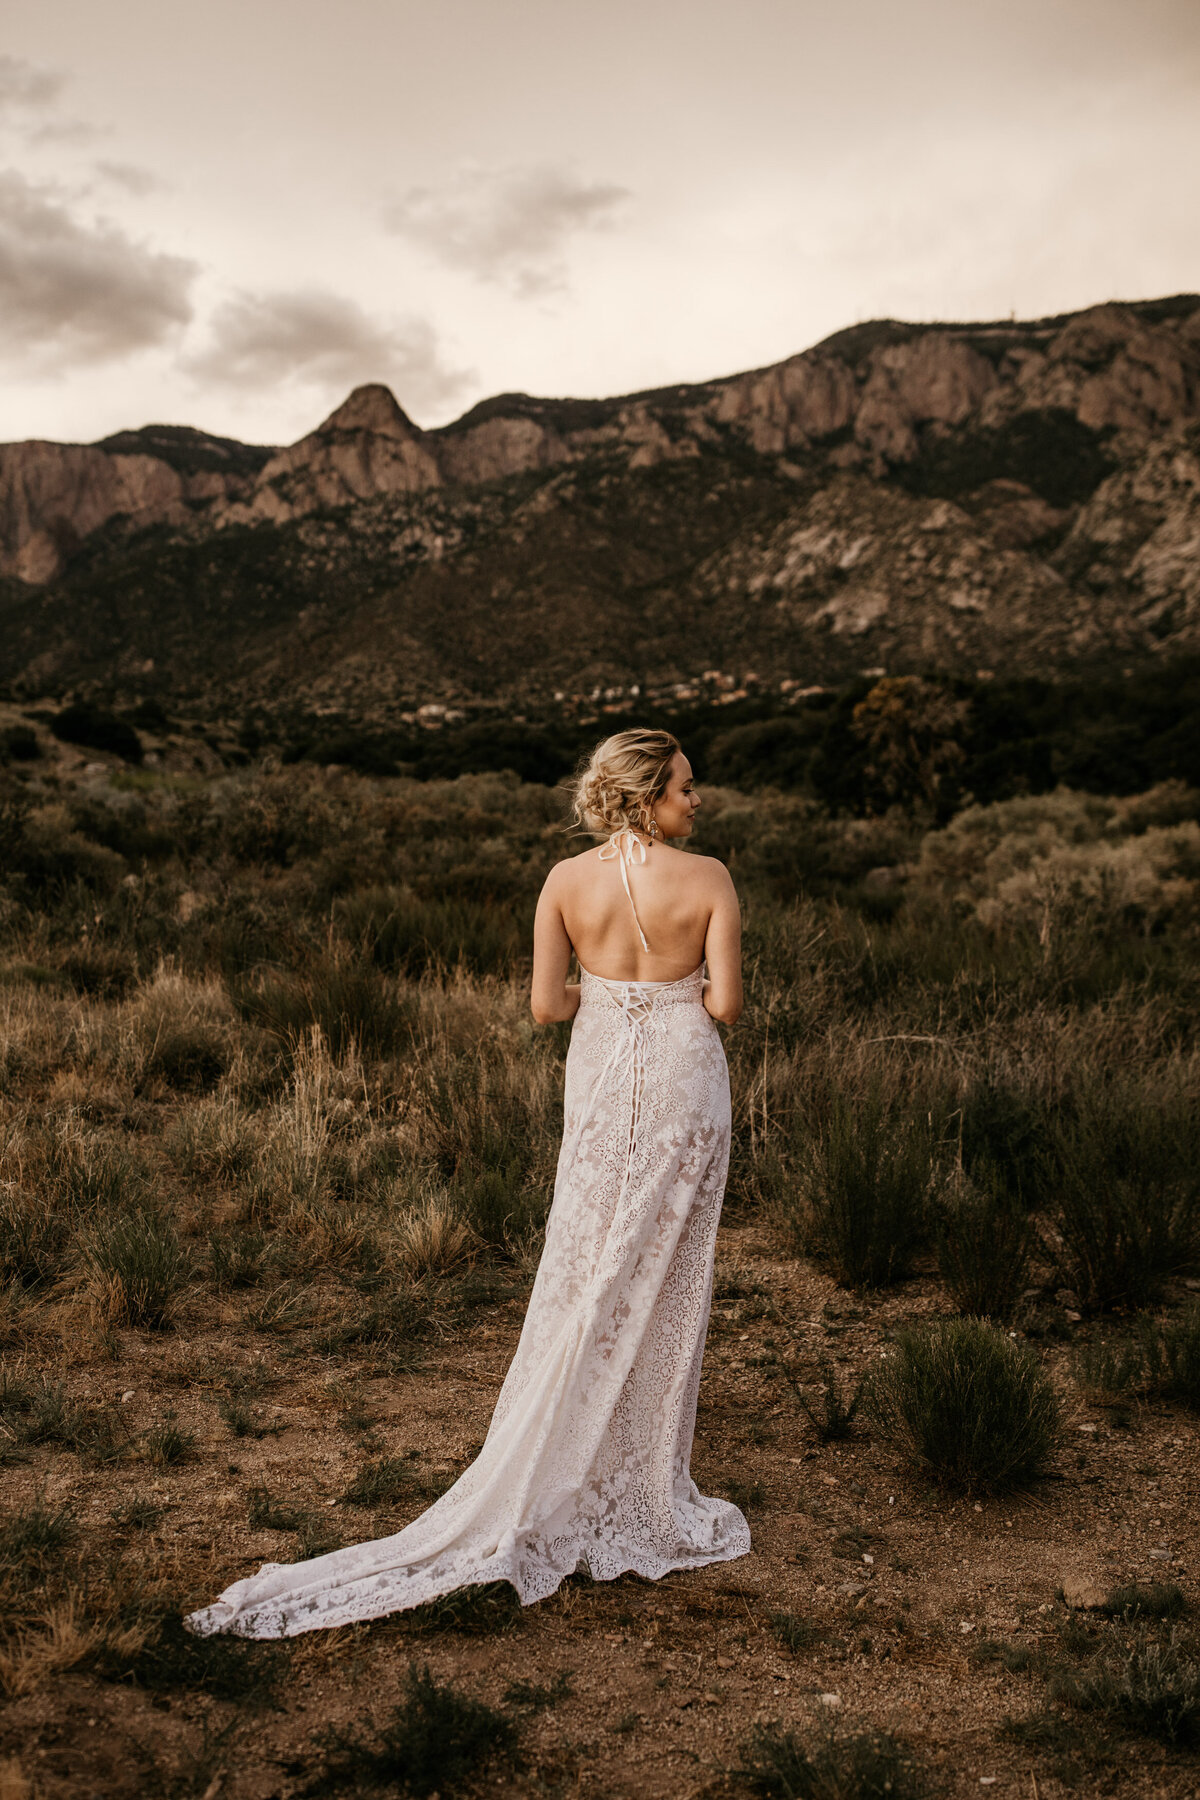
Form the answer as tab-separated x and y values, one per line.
879	397
1010	496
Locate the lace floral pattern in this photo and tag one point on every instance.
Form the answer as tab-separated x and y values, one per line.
586	1460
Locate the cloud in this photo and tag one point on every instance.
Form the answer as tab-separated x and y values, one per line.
27	84
74	293
509	226
326	341
129	177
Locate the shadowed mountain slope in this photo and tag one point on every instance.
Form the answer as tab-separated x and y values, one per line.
1024	494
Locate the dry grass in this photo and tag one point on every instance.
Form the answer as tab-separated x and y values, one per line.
272	1186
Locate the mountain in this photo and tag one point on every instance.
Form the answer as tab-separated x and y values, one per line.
1023	494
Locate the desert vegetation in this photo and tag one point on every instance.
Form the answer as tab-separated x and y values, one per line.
277	1142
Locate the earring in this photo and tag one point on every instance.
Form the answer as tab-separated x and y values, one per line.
654	828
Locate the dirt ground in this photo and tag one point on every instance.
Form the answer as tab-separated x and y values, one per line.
898	1584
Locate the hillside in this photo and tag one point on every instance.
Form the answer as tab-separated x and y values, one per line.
1020	495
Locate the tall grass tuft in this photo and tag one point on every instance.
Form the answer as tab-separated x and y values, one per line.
862	1206
1123	1189
33	1237
137	1266
354	1005
431	1236
1151	1687
1172	1357
213	1140
984	1242
407	935
833	1412
968	1405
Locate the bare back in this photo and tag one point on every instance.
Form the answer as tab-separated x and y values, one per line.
683	905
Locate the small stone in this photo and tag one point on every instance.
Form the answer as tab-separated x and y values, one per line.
1089	1429
831	1700
965	1625
1079	1592
1160	1555
725	1662
710	1699
851	1587
988	1780
127	1396
867	1559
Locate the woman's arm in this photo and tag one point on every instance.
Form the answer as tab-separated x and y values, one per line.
723	951
553	997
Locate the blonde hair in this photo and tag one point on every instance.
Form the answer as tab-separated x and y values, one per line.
622	779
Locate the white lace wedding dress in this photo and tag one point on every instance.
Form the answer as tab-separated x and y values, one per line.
586	1460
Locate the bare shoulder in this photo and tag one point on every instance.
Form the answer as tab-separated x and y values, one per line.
566	871
707	870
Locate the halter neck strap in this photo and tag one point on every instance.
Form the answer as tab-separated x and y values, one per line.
628	848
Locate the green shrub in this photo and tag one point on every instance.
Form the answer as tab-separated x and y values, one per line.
213	1140
19	743
351	1002
864	1189
236	1257
1003	1134
137	1266
90	1172
1111	1371
1172	1357
793	1633
834	1411
95	729
166	1443
868	1766
268	1514
1124	1189
984	1242
502	1207
966	1404
32	1538
378	1483
33	1237
435	1740
1146	1600
1151	1687
106	971
407	935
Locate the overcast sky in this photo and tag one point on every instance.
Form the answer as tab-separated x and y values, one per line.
229	214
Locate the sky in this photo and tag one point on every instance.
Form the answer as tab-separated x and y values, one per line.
230	215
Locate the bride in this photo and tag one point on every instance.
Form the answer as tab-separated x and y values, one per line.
586	1461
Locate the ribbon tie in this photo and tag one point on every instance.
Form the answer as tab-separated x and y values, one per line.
628	848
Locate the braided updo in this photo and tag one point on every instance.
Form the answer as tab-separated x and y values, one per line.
622	779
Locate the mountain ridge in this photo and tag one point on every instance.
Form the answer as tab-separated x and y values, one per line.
900	494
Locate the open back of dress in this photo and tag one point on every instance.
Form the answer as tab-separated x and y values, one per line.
587	1458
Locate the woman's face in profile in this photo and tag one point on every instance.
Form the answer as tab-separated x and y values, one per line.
677	807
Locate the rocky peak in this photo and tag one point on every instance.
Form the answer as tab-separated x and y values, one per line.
372	407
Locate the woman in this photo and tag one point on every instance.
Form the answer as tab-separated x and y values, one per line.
586	1461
